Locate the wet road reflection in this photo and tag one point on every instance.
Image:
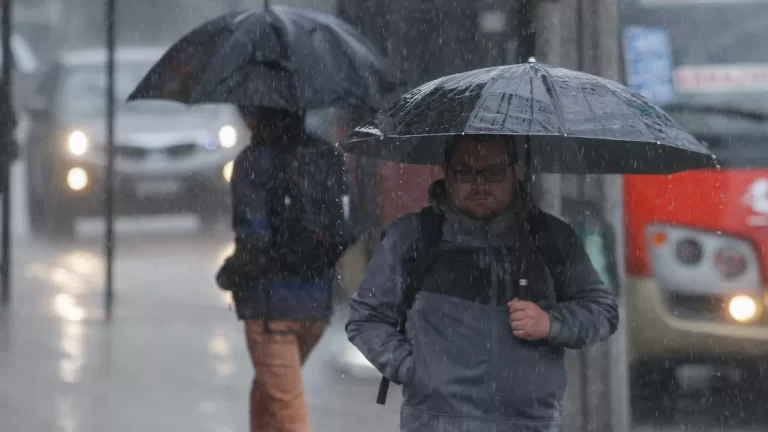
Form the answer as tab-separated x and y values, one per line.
174	357
71	346
220	347
66	416
67	308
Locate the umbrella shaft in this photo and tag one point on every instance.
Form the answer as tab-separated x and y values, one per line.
528	182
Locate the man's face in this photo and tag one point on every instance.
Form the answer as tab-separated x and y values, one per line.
479	178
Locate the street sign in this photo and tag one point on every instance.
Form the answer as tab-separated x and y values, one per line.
648	60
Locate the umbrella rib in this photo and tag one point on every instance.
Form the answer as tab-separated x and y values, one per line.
530	124
556	101
424	89
282	31
533	105
509	105
609	86
589	103
483	97
474	110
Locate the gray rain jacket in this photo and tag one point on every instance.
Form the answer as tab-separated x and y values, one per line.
461	367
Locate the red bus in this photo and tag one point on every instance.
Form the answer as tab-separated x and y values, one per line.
696	242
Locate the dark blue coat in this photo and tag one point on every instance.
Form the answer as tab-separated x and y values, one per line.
260	252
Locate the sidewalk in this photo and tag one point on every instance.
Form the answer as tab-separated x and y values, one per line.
173	359
157	366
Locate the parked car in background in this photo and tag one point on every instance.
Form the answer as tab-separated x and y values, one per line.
169	157
696	246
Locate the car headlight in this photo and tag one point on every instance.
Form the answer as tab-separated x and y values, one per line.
77	143
228	136
77	178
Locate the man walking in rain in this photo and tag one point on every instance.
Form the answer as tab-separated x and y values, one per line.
289	224
495	290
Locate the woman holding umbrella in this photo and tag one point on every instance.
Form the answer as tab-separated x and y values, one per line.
289	219
289	233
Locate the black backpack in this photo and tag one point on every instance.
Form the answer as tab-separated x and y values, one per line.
311	232
420	256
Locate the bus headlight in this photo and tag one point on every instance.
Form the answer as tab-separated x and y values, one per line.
730	262
77	143
743	308
228	136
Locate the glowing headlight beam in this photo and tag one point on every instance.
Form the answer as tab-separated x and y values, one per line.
743	308
227	136
77	179
77	143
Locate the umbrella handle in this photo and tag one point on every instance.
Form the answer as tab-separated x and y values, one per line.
266	4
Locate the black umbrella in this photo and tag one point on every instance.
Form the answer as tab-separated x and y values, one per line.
565	121
279	57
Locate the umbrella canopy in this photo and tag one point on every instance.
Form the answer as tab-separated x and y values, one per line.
279	57
565	121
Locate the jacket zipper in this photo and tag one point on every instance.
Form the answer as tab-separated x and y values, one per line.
493	266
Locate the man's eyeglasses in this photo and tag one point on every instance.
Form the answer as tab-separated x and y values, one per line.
492	174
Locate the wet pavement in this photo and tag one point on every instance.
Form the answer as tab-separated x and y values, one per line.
173	358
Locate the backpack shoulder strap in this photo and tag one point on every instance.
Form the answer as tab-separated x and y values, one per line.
550	251
421	255
416	263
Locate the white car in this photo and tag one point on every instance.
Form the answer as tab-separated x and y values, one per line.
169	157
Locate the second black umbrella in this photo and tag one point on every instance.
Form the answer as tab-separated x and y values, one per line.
279	57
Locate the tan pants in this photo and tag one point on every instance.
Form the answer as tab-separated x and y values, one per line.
277	392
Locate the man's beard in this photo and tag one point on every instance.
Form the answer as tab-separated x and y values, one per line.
492	214
486	216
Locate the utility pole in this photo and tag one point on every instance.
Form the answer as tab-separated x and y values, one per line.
8	153
584	35
606	44
109	217
526	31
